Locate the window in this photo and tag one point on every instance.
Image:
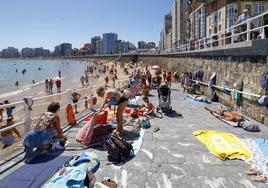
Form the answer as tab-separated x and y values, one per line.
259	8
219	15
209	20
219	28
232	10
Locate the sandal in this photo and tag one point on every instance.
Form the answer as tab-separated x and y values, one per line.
109	183
260	178
252	171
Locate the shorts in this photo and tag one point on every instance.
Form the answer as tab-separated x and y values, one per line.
8	140
122	100
75	101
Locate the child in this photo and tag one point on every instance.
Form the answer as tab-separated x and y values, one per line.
86	103
148	107
7	136
9	110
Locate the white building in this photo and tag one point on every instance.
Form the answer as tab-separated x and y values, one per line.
178	14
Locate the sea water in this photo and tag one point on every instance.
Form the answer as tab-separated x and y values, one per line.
37	70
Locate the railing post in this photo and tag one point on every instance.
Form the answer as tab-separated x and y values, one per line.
90	95
28	103
232	34
248	29
69	96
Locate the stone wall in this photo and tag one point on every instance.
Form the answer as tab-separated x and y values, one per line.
244	76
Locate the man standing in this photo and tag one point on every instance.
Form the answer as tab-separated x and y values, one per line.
50	83
58	84
75	98
242	18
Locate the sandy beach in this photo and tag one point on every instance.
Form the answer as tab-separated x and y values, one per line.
40	106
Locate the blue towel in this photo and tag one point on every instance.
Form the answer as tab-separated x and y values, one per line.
35	173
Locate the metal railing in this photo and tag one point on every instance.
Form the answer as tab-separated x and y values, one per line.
222	38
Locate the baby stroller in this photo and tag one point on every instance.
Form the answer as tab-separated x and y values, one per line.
164	99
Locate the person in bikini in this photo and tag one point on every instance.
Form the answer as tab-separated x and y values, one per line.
227	115
114	97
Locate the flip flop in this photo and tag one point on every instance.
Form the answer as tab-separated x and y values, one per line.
156	129
252	171
260	178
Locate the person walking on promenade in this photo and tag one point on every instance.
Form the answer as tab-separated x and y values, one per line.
149	79
75	98
7	136
186	82
46	85
50	86
164	76
58	85
242	18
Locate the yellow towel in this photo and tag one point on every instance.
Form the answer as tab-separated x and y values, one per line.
224	145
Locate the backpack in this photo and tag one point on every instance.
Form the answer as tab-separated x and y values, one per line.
144	123
264	81
77	172
118	149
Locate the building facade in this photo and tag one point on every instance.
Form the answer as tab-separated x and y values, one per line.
178	17
167	31
93	43
223	14
109	43
27	52
142	45
63	49
99	47
10	52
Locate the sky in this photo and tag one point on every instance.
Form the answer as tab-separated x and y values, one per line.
47	23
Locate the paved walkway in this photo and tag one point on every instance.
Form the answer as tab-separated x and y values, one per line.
173	157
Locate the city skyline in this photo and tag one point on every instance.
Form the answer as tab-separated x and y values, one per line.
39	24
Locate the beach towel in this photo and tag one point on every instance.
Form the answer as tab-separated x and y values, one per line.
223	145
246	125
259	149
35	173
193	99
233	124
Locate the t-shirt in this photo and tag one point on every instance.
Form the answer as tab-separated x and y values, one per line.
242	18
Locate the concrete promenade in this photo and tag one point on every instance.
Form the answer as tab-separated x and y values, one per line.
173	157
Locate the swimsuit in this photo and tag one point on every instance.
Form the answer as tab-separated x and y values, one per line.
113	99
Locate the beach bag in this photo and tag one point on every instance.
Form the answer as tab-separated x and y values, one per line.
44	121
144	123
248	126
118	149
77	172
264	81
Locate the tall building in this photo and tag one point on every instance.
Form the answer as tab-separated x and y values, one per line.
10	52
93	43
99	47
142	45
38	52
178	15
109	43
27	52
167	31
161	42
63	49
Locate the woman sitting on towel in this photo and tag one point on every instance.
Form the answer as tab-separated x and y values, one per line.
114	97
44	130
227	115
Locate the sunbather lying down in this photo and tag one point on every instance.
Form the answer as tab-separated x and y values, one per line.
200	98
227	115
